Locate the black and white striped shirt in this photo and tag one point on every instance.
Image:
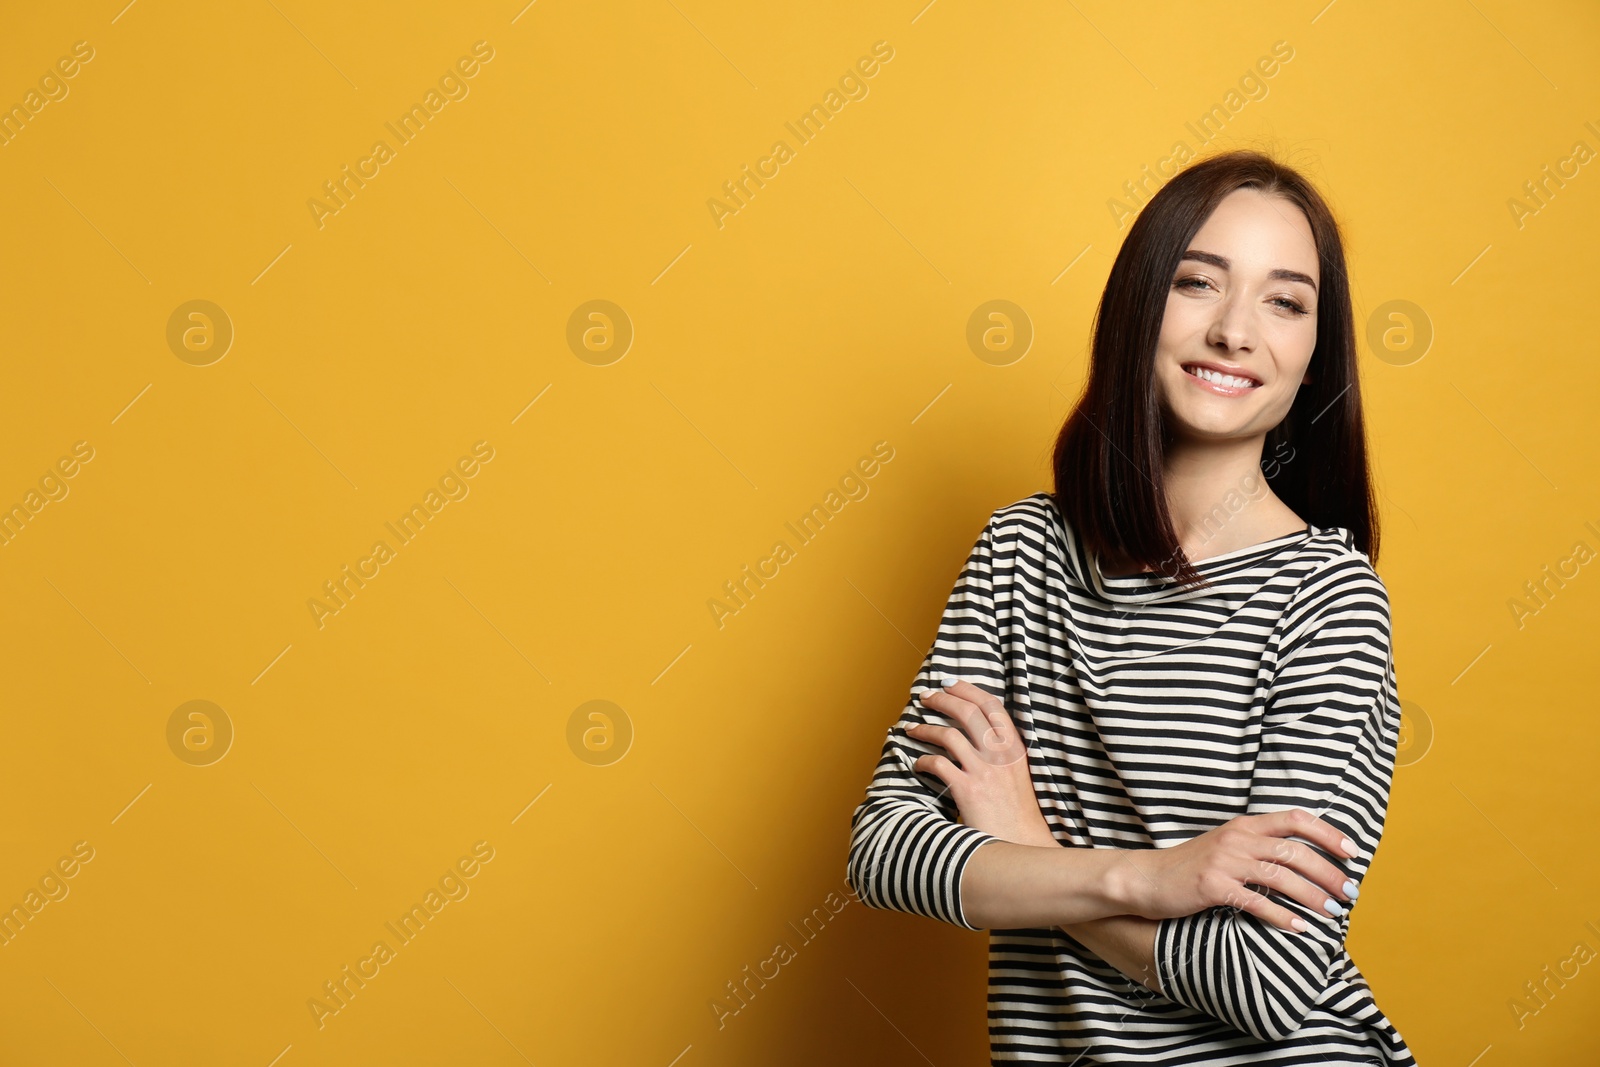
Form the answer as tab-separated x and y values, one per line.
1152	714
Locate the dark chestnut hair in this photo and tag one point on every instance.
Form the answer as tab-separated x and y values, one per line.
1109	455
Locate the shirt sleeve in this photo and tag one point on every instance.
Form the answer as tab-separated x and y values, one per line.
1327	745
907	851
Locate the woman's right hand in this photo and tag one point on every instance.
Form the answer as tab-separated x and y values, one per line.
1215	868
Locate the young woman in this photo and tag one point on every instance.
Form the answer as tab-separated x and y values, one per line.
1162	702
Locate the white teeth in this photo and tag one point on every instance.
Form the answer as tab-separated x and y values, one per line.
1221	379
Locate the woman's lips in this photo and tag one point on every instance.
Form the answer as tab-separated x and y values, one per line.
1217	387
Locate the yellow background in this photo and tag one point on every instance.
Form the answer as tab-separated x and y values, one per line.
769	355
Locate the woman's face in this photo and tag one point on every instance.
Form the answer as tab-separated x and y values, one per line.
1243	303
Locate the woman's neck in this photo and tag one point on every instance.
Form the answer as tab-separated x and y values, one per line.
1219	500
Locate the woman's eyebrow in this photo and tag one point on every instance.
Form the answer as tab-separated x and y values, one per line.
1222	263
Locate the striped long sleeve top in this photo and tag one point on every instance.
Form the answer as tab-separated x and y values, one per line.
1152	714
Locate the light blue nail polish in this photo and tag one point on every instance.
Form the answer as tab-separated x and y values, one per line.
1332	907
948	680
1350	889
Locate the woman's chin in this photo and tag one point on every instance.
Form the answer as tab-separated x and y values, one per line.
1209	427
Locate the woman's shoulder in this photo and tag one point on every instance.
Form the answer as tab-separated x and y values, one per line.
1035	511
1031	522
1337	576
1332	553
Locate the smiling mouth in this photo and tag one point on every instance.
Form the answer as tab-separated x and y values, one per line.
1228	382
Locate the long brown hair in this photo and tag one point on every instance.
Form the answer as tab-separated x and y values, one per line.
1109	455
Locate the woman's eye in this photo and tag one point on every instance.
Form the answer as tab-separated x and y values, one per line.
1291	306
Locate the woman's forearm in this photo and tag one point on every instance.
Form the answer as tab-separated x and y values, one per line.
1127	942
1008	886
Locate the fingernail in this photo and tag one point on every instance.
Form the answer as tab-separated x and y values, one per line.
1350	889
1331	906
1298	923
1349	846
922	691
948	680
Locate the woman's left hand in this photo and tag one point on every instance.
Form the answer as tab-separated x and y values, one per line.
987	766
